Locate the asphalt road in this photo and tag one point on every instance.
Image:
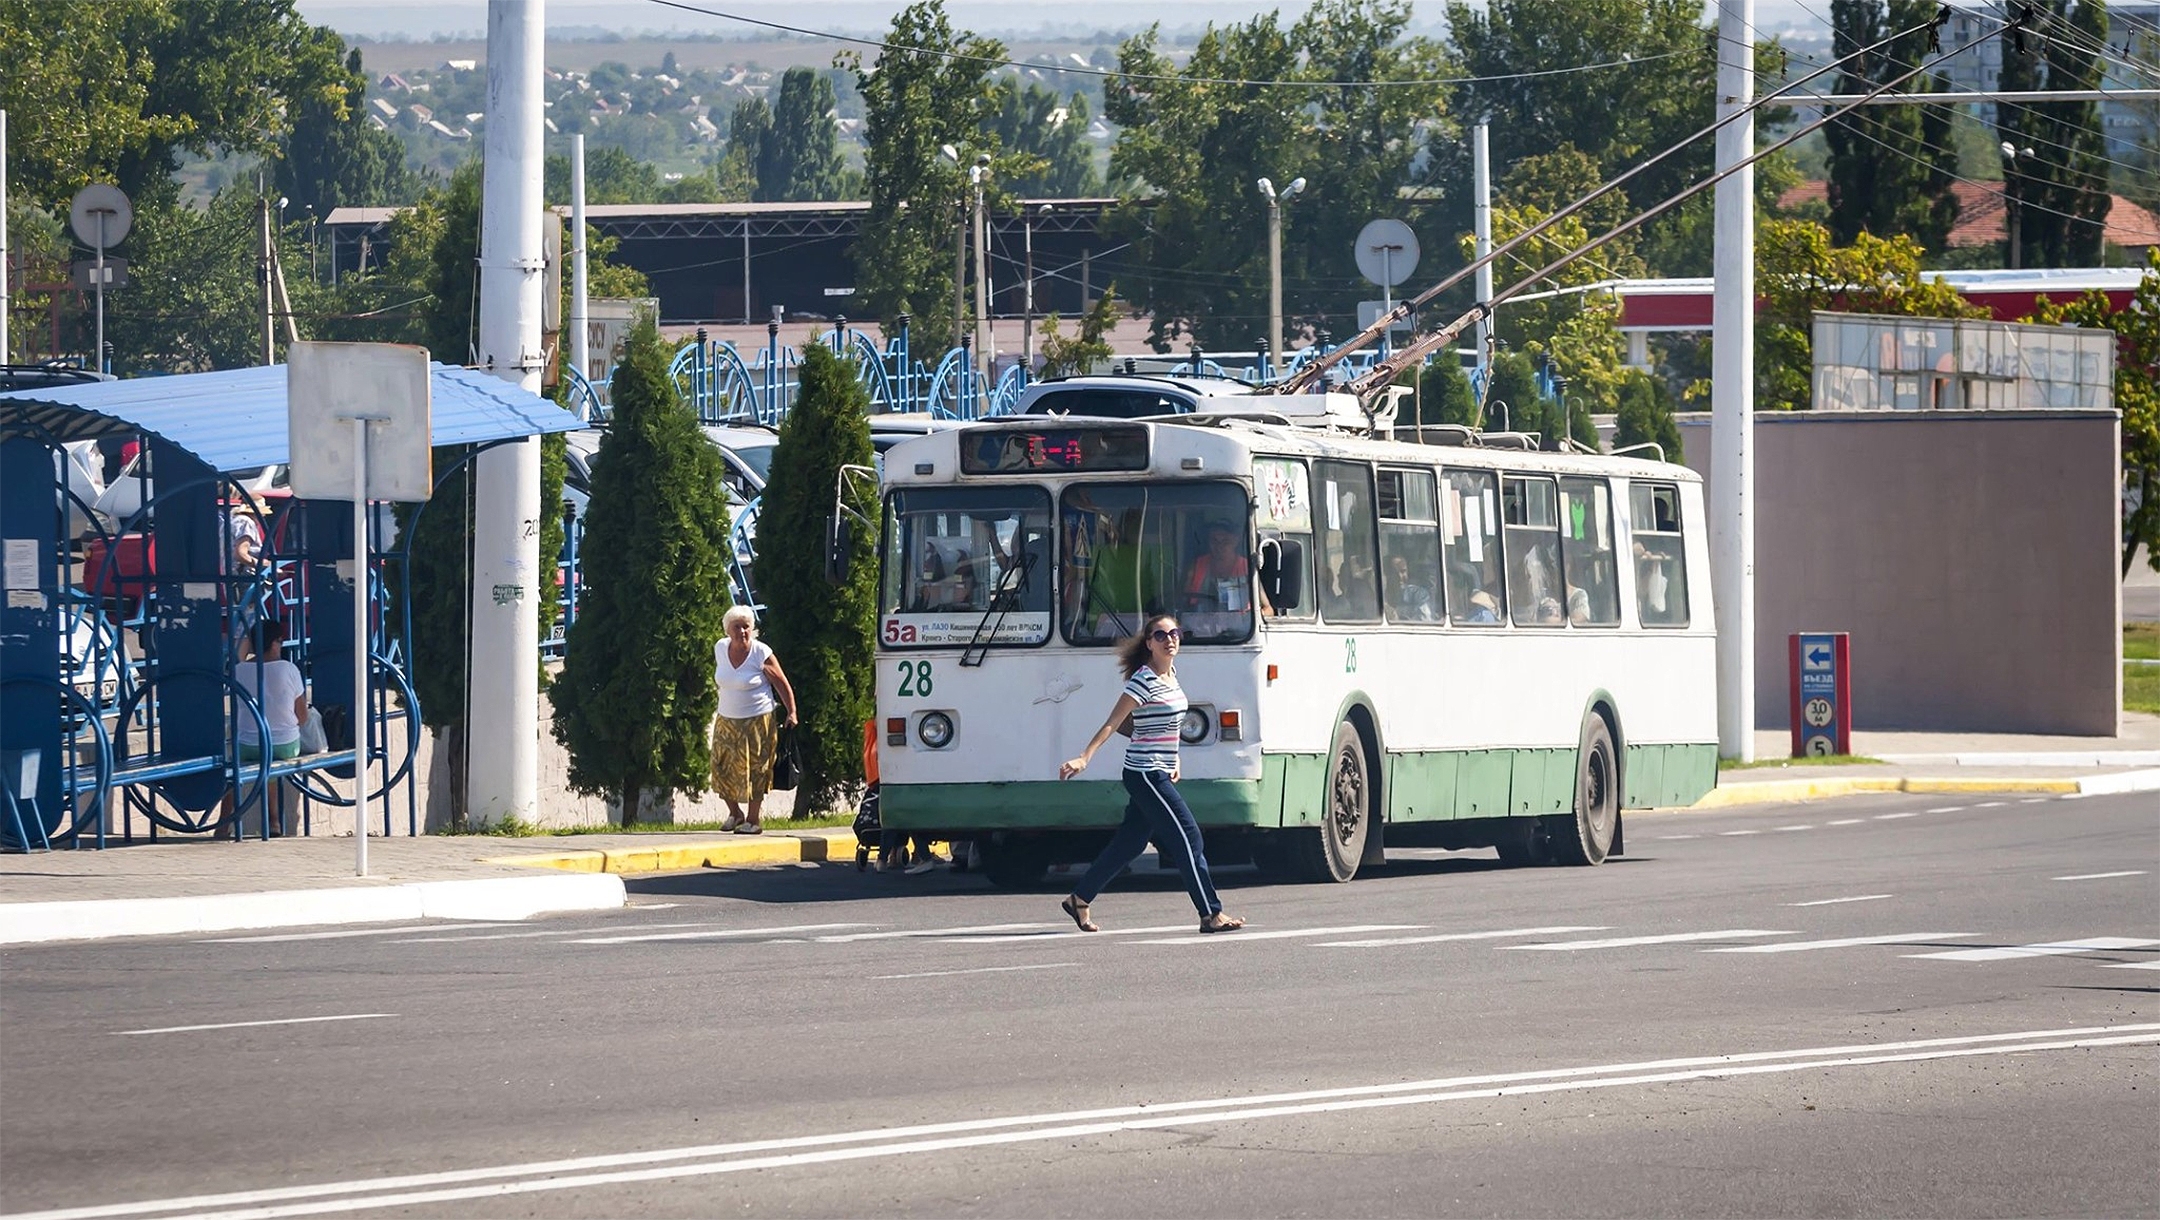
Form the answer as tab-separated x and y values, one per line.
1877	1006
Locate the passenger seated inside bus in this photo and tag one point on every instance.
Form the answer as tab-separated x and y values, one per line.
1220	580
1408	600
945	579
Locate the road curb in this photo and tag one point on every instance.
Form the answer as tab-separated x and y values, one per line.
486	898
805	847
1789	791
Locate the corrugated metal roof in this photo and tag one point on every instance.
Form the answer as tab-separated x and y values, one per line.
236	419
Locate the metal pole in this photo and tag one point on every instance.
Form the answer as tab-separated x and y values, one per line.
1481	174
1387	293
1732	423
502	694
746	271
1274	266
1027	298
97	357
5	305
959	273
984	351
262	273
578	305
360	716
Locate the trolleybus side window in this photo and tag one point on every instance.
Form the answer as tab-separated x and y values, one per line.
1530	516
1471	520
1409	546
1586	552
1347	569
955	557
1134	549
1660	553
1283	512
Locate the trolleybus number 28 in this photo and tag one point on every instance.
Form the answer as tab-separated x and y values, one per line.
914	679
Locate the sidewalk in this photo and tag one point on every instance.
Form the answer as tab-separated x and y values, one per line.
183	885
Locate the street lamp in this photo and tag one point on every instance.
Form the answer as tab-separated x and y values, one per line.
979	178
2011	195
1274	234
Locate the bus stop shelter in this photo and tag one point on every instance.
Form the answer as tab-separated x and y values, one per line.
118	643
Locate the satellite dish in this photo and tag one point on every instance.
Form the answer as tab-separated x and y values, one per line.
1387	252
100	202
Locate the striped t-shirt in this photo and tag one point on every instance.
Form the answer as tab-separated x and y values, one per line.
1162	702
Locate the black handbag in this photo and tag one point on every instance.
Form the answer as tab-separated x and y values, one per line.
787	761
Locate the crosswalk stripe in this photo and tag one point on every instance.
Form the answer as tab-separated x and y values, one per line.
1801	946
1679	836
917	933
1831	902
2128	872
1068	934
1284	933
1671	938
342	934
1892	817
2056	948
723	933
1844	822
1802	826
2154	964
1503	934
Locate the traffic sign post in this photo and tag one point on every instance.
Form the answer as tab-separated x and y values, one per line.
1821	693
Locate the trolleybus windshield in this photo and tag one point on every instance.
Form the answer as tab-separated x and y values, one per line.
1131	549
958	558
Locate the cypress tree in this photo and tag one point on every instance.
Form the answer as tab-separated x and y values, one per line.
634	702
821	633
1646	415
1445	394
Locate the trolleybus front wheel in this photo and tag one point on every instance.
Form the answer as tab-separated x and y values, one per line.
1586	836
1333	850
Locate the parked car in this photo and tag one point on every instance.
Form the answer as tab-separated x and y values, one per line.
120	504
1128	396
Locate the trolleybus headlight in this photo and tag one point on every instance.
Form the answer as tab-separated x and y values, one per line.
1193	726
934	730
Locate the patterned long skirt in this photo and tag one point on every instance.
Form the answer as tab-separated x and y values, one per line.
742	757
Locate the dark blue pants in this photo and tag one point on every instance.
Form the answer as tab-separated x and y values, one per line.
1154	810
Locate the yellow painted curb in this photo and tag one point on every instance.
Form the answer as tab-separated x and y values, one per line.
733	852
1785	791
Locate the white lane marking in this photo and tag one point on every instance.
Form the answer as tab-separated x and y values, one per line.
2055	948
1283	933
1892	817
1036	938
1802	826
1831	902
654	906
1679	836
343	934
1991	804
2154	964
707	935
1671	938
1733	833
1062	1125
1845	822
1948	809
1802	946
444	940
939	974
189	1029
1503	934
2128	872
2033	800
921	932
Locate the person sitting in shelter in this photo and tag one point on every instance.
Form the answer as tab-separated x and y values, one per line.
278	689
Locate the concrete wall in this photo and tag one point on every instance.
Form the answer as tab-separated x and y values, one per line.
1973	555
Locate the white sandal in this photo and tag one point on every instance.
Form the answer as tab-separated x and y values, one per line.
728	827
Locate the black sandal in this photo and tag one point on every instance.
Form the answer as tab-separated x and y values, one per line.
1079	912
1220	922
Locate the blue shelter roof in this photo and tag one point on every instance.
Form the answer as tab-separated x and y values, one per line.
235	419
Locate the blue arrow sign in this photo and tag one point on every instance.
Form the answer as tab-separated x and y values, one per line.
1816	656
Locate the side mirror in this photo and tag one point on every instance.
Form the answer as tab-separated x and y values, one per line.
1282	571
839	549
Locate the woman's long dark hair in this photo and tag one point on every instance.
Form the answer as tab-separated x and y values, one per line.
1132	652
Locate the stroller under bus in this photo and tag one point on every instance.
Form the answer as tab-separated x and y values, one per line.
872	839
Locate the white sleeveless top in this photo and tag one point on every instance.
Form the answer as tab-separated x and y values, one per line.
745	691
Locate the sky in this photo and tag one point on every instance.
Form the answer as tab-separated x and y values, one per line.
426	19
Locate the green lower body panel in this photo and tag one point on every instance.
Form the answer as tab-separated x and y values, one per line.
1054	805
1665	777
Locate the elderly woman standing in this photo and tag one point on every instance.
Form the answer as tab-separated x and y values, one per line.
752	687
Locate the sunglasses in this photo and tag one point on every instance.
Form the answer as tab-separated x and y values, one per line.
1164	636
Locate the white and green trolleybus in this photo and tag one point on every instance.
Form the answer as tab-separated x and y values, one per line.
1387	644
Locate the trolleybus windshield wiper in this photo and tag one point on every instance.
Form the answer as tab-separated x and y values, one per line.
1003	597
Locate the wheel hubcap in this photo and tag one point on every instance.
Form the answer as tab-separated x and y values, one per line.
1349	795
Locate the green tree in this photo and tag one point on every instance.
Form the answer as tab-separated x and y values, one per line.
803	150
193	303
1037	122
741	166
822	633
634	702
1646	415
1445	395
2137	396
1798	271
929	89
1066	355
2056	195
1891	167
334	157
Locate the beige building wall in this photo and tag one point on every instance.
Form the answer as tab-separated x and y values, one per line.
1973	555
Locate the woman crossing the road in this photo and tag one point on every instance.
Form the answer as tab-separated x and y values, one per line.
1156	703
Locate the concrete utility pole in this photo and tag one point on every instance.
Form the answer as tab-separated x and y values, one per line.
262	277
1276	354
1732	388
1481	222
502	724
4	299
985	352
578	304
